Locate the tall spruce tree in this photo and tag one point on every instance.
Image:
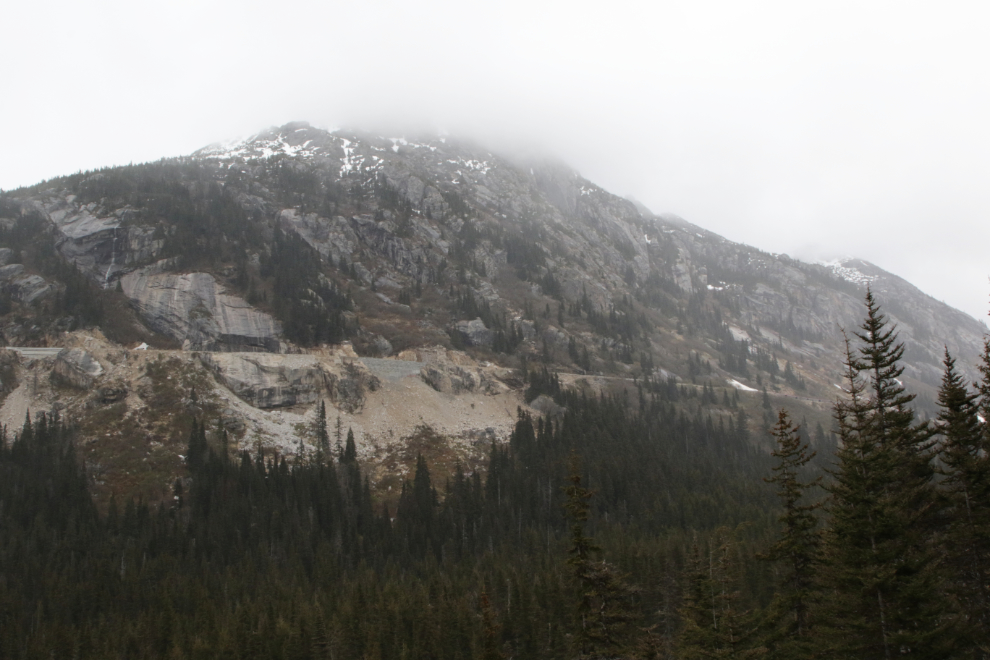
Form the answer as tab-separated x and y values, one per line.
603	617
966	487
714	620
197	449
322	435
799	545
885	596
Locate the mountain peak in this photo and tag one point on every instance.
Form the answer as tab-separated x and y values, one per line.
299	236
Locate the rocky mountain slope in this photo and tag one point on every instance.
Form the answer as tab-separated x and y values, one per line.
246	262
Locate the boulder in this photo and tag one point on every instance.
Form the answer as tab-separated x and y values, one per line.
528	329
382	346
474	333
195	310
6	256
75	367
268	380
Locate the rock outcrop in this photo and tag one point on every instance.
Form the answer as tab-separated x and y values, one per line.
349	386
77	368
268	380
195	310
453	372
99	242
21	286
474	333
29	288
11	271
455	379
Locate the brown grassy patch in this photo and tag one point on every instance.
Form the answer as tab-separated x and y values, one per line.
136	452
396	464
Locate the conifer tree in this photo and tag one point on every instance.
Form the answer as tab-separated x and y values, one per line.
491	631
349	454
322	435
966	486
882	570
196	451
602	617
799	545
714	622
696	638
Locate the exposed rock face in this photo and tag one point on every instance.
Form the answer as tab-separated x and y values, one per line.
21	286
348	389
474	333
453	372
333	238
555	338
11	271
29	288
455	379
339	238
270	381
97	241
194	309
75	367
6	256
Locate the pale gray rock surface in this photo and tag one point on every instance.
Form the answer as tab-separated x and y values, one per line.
99	242
268	380
11	271
195	310
474	333
333	238
77	368
453	372
350	386
24	288
457	379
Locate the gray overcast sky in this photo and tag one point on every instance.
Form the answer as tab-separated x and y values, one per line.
819	129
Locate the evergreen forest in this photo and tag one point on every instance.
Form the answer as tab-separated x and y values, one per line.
622	527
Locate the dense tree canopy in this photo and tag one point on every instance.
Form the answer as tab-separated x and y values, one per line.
675	535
